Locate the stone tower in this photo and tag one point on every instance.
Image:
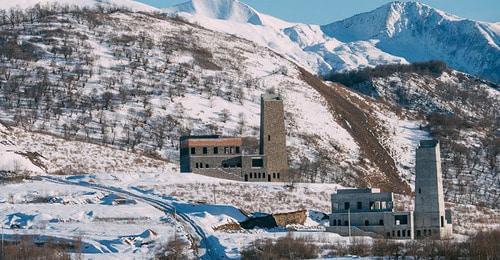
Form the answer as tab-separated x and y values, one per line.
431	218
273	137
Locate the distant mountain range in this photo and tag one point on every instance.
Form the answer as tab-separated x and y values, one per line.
398	32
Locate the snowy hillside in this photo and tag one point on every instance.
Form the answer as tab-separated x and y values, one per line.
128	4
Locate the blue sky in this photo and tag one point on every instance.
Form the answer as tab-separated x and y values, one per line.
326	11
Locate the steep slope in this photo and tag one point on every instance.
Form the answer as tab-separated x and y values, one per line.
461	111
129	4
229	10
418	32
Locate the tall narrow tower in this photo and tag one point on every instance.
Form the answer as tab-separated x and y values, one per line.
431	219
273	137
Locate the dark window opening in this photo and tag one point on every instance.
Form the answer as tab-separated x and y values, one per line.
274	175
251	175
225	165
238	165
381	222
442	221
401	220
418	233
278	175
201	165
372	205
237	149
388	234
339	222
226	150
404	233
347	205
360	205
216	150
246	177
334	222
367	223
207	166
196	165
409	233
346	223
264	175
257	163
193	150
399	233
268	138
258	174
393	233
205	150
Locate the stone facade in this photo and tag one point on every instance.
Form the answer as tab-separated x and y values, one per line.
370	212
242	158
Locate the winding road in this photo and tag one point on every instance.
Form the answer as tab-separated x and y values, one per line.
209	244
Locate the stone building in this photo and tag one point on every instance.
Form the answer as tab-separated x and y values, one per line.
371	212
242	158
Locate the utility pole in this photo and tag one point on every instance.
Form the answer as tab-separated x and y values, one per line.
215	201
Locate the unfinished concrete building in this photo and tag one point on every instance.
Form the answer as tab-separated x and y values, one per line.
242	158
370	212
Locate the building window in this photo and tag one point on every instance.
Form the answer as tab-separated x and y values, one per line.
205	150
226	150
258	175
334	222
360	205
268	138
274	175
207	166
225	165
418	233
196	166
399	233
419	190
193	150
257	162
346	223
278	175
201	165
237	149
381	222
401	220
372	205
442	221
425	232
250	175
388	234
409	233
238	165
404	233
216	150
367	223
264	175
338	222
347	205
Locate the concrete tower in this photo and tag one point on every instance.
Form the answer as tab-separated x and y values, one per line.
273	137
431	218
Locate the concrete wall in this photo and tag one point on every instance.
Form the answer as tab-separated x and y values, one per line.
369	201
430	217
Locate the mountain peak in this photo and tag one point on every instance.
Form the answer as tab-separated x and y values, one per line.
231	10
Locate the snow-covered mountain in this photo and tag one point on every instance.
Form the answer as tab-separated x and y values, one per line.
418	32
129	4
399	32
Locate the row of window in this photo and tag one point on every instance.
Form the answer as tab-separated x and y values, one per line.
374	205
226	150
258	175
225	165
346	223
400	233
200	165
426	232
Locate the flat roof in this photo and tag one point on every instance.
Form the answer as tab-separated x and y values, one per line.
351	191
222	141
428	143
